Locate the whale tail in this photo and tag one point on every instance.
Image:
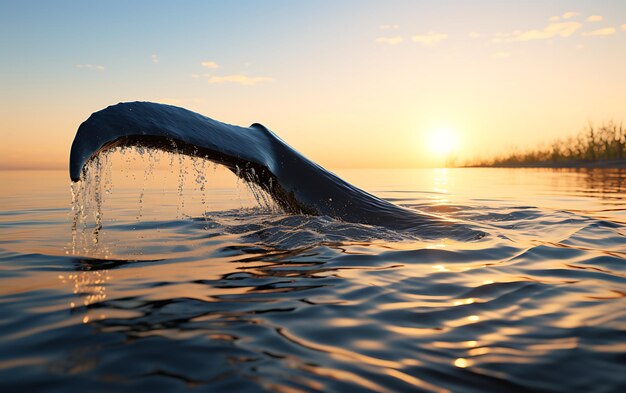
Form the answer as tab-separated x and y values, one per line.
254	153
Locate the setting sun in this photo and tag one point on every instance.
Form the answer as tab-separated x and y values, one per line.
442	141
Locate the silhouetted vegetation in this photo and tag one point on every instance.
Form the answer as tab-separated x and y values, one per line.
593	144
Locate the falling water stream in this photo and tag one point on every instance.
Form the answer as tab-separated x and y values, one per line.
89	195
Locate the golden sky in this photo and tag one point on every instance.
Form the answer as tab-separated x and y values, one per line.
349	84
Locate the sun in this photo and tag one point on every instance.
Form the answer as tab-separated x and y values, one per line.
442	141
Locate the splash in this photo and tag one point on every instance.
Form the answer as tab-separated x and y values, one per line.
87	201
94	190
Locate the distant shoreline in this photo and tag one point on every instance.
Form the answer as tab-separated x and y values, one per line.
574	164
600	164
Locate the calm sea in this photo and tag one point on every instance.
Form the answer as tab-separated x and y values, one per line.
174	278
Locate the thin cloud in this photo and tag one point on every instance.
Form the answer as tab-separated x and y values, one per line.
560	29
209	64
154	58
594	18
389	27
474	35
600	32
623	27
95	67
567	15
570	15
429	39
198	76
389	40
239	79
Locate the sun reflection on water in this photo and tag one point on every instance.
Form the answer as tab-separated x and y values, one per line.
90	287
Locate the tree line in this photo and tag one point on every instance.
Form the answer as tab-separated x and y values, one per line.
606	142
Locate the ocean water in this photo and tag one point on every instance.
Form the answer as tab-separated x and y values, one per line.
173	276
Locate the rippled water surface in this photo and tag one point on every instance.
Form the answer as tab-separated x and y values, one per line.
174	281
